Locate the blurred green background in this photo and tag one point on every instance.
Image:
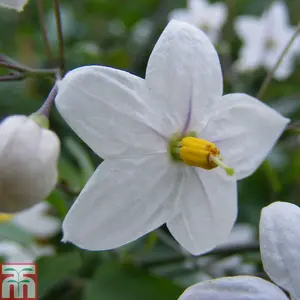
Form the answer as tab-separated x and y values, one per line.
121	34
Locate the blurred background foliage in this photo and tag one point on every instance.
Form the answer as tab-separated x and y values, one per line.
121	34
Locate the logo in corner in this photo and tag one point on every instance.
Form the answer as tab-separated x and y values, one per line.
18	281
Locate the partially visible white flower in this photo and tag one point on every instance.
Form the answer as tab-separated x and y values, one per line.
265	38
15	4
13	252
280	245
280	252
28	163
37	221
165	140
234	288
209	17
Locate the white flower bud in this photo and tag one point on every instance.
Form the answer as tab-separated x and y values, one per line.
15	4
28	163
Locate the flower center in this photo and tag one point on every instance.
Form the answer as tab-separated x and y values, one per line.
5	218
270	44
196	152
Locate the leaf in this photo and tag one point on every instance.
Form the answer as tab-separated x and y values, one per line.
10	269
27	269
53	270
114	281
82	157
9	231
25	280
11	280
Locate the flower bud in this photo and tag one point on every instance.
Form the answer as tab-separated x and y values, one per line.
28	163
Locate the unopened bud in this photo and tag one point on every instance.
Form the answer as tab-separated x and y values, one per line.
28	163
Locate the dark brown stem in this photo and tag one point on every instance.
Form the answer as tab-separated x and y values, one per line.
60	36
44	31
15	77
46	107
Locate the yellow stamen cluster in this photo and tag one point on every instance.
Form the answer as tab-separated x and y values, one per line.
5	217
197	153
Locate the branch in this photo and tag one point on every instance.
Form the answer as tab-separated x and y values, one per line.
23	71
221	251
59	36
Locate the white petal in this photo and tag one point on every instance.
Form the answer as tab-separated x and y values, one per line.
28	154
15	4
37	222
123	200
278	11
251	32
107	108
185	72
245	130
234	288
280	245
206	210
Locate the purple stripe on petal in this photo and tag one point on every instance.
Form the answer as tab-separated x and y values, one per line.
188	119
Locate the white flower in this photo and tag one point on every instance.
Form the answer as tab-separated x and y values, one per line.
265	39
37	222
28	158
15	4
144	130
280	252
13	252
204	15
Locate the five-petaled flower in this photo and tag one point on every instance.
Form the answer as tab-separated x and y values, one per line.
265	39
279	247
167	141
209	17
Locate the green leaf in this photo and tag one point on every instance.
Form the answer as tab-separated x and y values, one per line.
25	280
27	269
9	231
83	159
12	280
53	270
114	281
10	269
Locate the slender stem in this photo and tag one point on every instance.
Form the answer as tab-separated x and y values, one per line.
14	77
269	76
60	36
46	107
44	31
222	251
12	67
